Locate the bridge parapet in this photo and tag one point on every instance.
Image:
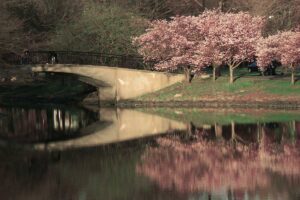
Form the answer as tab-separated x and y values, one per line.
83	58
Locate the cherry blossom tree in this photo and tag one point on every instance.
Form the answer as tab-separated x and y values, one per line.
207	52
211	38
182	42
290	51
236	35
283	47
267	50
230	38
171	44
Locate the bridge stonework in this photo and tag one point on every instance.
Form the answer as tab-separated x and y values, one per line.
115	83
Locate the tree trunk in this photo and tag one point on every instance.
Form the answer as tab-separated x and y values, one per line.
214	73
293	77
231	73
188	74
222	5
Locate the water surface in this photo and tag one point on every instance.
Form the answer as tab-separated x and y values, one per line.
61	152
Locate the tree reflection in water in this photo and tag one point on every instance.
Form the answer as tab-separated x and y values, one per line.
43	124
213	158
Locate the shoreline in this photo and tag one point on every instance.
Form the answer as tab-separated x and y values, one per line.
198	104
277	105
132	104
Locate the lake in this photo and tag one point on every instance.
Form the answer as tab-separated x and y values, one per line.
71	152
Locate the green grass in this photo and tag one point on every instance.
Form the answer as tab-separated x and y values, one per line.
245	84
281	87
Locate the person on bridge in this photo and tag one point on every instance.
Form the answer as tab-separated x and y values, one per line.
52	57
25	57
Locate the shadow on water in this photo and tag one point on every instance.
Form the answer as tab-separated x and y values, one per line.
207	154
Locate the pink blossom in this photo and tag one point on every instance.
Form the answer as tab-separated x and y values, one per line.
211	38
268	49
290	48
283	47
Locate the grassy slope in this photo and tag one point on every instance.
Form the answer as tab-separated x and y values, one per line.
248	86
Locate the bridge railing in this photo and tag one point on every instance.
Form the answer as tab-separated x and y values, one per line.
84	58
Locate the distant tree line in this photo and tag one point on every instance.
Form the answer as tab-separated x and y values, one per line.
108	25
75	25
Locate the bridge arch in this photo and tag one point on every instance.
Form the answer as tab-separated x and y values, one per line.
114	83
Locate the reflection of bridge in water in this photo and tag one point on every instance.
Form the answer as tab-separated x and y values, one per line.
123	125
126	125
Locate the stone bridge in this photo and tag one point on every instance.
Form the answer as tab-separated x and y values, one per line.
114	83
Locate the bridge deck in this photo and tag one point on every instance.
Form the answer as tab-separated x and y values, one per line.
83	58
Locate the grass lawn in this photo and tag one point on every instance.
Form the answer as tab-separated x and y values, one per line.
247	86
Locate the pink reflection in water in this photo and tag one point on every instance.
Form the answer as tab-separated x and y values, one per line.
211	166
